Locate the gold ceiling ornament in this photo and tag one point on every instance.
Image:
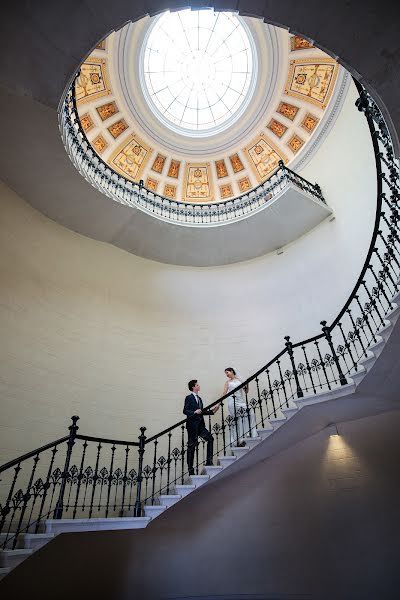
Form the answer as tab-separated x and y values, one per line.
309	122
92	81
198	183
236	163
158	164
299	43
86	122
130	157
170	191
152	184
287	110
99	144
174	168
244	184
295	143
264	156
221	169
278	128
117	128
105	111
225	191
312	80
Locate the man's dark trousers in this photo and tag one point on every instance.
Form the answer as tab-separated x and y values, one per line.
196	428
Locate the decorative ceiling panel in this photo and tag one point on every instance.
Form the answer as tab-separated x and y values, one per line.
291	124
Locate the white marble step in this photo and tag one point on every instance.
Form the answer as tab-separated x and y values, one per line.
311	398
34	541
212	470
12	558
384	332
169	499
254	441
277	421
368	361
70	525
239	451
265	432
154	511
394	313
357	376
4	571
184	490
226	461
198	480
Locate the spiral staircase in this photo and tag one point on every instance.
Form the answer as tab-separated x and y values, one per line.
377	317
279	402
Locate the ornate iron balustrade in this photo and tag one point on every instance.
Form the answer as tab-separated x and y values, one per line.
82	476
117	187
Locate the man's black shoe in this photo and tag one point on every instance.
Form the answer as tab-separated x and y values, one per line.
191	471
209	464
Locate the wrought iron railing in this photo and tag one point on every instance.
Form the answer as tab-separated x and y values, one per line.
81	476
134	194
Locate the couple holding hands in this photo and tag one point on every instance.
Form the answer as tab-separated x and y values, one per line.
195	412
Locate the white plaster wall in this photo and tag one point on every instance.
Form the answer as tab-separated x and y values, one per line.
89	329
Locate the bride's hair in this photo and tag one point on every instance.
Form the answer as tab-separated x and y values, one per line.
231	370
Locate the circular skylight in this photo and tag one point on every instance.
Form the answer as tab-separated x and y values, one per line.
198	70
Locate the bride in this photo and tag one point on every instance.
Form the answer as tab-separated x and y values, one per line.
237	409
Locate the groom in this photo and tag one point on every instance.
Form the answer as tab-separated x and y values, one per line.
195	425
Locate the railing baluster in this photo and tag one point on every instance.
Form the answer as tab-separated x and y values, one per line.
169	461
141	451
289	347
71	441
95	479
110	476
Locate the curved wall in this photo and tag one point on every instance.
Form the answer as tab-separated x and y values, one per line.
91	330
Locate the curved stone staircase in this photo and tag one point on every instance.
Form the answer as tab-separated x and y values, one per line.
30	542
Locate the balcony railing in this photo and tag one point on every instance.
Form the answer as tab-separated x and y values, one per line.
134	194
83	476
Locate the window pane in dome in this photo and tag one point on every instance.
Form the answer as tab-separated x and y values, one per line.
197	60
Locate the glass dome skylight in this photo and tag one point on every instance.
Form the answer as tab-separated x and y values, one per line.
198	70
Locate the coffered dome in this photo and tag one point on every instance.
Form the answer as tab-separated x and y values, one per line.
198	96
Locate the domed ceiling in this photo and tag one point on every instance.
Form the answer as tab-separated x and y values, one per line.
202	106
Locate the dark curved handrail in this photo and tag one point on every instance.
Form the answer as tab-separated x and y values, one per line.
16	461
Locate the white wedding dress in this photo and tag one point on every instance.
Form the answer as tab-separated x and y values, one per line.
237	406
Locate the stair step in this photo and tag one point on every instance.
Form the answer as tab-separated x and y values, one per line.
384	332
169	499
253	442
154	511
357	376
4	571
226	461
9	539
184	490
69	525
240	451
265	432
199	480
212	470
289	412
393	314
12	558
35	541
367	361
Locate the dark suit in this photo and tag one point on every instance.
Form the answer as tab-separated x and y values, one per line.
196	428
